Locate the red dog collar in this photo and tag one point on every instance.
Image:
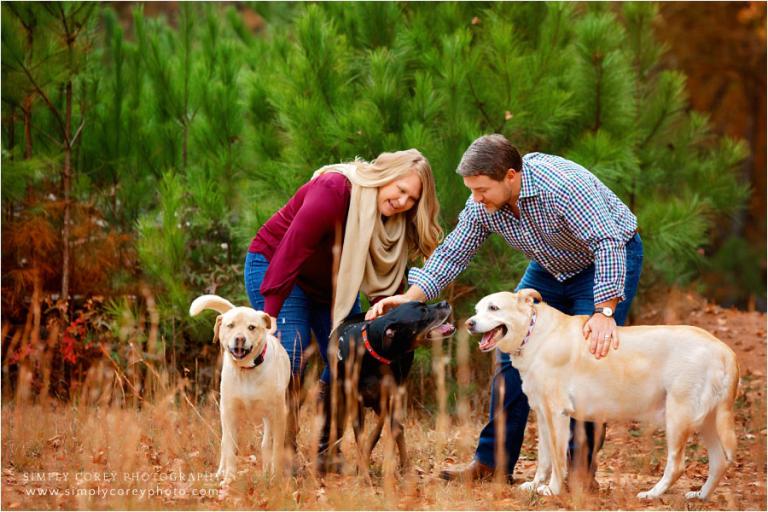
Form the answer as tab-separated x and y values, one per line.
370	350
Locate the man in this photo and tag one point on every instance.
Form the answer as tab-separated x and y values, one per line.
585	257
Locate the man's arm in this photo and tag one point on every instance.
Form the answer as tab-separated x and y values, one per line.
449	260
610	273
589	218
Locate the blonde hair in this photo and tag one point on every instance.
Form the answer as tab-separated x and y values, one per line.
423	226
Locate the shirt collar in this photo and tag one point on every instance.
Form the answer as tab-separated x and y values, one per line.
528	187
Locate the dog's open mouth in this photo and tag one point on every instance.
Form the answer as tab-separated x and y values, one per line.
239	352
442	331
490	338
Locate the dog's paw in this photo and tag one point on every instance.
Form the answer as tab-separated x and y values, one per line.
694	495
647	495
545	490
528	486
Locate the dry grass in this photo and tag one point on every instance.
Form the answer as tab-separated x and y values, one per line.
150	449
161	453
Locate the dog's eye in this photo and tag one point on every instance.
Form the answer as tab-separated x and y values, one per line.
230	325
251	327
493	307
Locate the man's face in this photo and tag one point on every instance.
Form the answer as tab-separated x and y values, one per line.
493	194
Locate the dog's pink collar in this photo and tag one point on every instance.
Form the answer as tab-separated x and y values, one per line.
258	360
370	350
528	334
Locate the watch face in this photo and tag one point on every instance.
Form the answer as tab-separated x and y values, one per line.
607	311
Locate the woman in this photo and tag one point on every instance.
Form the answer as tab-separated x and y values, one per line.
380	214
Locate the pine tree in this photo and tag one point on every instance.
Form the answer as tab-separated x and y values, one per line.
185	240
197	130
58	35
567	79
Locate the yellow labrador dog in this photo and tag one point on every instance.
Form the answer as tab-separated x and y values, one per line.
679	377
255	374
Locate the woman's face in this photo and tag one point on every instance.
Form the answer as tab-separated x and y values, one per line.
399	195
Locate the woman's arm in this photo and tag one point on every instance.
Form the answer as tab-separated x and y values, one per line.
324	208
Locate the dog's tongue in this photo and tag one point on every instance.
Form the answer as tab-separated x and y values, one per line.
445	329
488	339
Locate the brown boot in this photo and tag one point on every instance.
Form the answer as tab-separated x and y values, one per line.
474	471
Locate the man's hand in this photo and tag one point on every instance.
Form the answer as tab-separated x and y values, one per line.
384	305
601	331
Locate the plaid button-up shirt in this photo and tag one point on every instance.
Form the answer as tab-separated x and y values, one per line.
568	221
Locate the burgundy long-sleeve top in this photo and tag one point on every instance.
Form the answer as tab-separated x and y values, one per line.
298	241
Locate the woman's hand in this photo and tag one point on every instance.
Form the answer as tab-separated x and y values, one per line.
384	305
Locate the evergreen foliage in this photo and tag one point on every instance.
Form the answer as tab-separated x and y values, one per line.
199	129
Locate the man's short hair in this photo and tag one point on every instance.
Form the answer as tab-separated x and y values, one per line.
490	155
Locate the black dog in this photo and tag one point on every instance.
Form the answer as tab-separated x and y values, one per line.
369	361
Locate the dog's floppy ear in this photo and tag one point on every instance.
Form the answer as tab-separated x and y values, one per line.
216	328
529	295
270	325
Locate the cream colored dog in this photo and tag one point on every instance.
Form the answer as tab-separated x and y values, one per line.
255	374
680	377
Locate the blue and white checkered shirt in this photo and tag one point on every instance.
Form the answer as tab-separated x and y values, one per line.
568	221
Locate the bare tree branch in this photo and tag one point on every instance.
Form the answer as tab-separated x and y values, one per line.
41	93
77	133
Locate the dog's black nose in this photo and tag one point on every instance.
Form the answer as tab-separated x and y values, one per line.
470	324
239	341
443	304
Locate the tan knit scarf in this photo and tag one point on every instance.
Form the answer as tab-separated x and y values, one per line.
375	253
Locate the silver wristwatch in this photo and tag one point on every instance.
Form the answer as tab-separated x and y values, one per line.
606	311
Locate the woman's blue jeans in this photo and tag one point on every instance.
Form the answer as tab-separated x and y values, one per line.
299	318
573	297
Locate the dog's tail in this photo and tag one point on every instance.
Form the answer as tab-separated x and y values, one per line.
724	415
715	384
718	398
210	302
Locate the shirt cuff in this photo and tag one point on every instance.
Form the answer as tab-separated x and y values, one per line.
606	292
420	278
272	305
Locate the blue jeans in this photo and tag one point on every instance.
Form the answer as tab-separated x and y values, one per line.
572	297
299	317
